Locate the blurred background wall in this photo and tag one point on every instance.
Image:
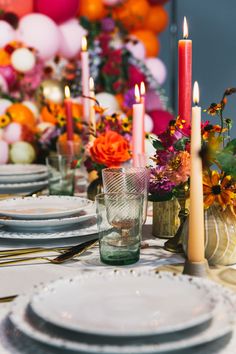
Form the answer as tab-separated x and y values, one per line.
212	27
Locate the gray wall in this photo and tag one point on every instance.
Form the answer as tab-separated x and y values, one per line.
212	27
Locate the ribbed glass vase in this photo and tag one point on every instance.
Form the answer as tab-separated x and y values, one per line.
165	218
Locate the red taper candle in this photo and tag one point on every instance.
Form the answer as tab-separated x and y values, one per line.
185	76
69	118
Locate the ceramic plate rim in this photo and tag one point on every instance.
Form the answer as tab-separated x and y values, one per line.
37	167
8	180
56	342
54	215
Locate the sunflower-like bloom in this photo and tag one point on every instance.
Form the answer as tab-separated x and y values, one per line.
217	188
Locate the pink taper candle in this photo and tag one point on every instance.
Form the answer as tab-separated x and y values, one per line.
92	115
69	118
196	211
185	76
142	99
138	128
85	79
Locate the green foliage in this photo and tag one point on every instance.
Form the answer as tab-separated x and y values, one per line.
227	158
158	145
180	144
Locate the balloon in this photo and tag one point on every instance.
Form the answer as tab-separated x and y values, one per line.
149	40
107	100
23	60
21	114
3	84
12	133
19	7
161	120
132	13
157	68
111	2
4	104
94	10
51	90
40	32
71	36
9	74
4	152
137	49
32	106
60	11
148	123
152	101
157	2
7	33
157	19
22	152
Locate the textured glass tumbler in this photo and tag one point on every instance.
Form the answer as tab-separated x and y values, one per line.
127	180
119	219
61	175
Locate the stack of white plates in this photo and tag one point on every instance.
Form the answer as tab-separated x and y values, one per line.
22	178
46	217
123	312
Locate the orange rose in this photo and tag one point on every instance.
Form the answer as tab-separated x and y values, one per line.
110	149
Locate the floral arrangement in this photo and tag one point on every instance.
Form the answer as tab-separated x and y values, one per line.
172	160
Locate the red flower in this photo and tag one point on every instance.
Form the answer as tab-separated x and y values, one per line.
135	76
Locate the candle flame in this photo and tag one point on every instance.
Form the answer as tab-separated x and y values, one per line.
185	28
137	93
196	93
84	44
142	89
91	84
67	92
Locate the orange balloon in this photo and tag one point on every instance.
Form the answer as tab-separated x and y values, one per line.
5	58
149	40
157	19
22	115
132	13
19	7
63	138
92	9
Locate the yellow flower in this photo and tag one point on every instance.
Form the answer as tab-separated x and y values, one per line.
217	189
126	125
4	120
61	120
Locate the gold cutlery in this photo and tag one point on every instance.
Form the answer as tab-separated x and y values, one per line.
22	251
67	255
7	298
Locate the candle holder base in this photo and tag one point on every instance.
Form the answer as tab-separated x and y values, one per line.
197	269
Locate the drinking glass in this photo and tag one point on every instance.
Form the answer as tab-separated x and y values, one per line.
61	175
119	219
127	180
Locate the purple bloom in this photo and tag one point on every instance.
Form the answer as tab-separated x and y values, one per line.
129	98
108	24
159	183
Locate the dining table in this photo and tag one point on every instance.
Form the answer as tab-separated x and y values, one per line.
17	279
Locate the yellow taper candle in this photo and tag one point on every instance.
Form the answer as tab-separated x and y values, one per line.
196	212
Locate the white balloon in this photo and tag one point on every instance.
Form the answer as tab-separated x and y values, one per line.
23	60
4	104
107	100
148	123
22	152
7	33
157	69
71	37
32	106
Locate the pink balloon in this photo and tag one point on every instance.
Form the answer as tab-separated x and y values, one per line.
157	69
9	74
4	104
4	152
148	123
152	101
161	120
12	133
7	33
40	32
111	2
60	11
137	49
3	84
71	36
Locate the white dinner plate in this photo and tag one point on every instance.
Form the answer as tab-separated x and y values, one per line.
22	187
44	207
220	326
86	228
21	169
24	178
37	225
124	305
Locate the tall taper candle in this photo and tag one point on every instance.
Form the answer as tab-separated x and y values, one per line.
69	118
92	116
85	79
142	100
196	211
185	76
138	128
